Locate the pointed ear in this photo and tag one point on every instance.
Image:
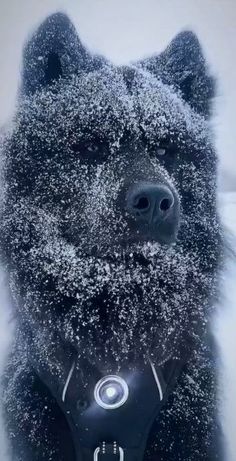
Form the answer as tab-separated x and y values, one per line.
183	65
54	51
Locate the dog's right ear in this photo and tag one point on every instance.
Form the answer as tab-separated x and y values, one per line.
183	65
53	52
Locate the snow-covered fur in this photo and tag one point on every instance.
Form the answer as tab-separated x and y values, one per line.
82	280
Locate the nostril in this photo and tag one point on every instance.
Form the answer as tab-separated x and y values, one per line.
165	204
142	203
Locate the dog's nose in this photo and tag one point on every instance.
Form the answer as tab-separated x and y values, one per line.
151	203
155	210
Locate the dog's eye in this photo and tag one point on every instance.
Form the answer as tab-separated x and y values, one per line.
92	148
161	151
84	148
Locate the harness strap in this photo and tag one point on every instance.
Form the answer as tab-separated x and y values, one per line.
119	434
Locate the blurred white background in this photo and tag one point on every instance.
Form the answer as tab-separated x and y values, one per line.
127	30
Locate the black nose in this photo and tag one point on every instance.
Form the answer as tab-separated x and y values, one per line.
154	210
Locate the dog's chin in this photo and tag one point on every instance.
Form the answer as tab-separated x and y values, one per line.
126	256
108	340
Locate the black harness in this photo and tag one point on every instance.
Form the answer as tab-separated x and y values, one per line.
110	416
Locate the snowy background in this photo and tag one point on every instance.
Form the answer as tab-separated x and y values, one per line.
127	30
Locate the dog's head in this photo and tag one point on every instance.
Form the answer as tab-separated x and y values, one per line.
109	225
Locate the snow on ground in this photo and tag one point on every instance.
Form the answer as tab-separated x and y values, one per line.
224	327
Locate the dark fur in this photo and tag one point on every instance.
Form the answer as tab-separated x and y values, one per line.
81	277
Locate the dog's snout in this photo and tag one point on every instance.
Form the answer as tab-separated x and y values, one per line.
154	209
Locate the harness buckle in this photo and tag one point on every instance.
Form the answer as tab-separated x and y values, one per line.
108	452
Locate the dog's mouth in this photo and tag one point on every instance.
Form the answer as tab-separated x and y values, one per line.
126	257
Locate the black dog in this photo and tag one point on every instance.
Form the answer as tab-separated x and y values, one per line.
111	239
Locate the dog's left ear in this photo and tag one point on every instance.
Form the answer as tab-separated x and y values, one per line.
54	51
183	65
